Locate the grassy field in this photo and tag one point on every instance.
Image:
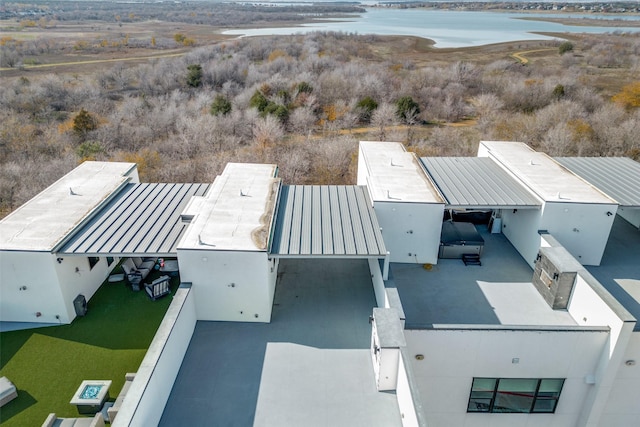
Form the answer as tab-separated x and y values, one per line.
48	364
396	49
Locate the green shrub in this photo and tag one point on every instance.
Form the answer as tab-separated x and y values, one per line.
565	47
194	76
220	106
407	108
367	106
258	101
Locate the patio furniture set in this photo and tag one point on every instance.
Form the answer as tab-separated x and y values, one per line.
137	269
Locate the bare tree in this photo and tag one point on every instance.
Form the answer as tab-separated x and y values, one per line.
267	131
382	118
302	120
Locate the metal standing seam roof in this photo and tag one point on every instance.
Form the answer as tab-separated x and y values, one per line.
477	182
144	219
617	177
326	221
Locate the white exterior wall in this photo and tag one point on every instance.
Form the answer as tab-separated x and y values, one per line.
411	231
51	287
154	380
37	272
452	358
405	397
632	215
583	229
622	408
83	281
230	285
363	171
378	283
521	228
588	308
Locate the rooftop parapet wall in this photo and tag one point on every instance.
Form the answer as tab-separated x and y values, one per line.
544	176
238	211
394	175
49	218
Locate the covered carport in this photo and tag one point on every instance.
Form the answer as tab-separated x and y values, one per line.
476	190
326	221
478	183
329	222
142	220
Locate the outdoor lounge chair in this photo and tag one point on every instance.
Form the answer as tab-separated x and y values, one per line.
8	391
147	263
158	288
113	410
53	421
129	268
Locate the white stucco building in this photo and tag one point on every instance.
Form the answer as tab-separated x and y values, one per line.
37	283
351	305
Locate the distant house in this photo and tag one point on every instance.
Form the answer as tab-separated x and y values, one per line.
502	289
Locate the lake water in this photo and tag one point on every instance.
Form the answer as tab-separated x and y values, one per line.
445	28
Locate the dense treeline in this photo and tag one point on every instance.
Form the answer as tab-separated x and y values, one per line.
298	101
120	19
191	12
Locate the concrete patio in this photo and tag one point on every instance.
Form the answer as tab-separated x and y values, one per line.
499	292
619	271
310	366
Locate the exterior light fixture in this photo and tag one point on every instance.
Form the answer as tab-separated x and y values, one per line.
609	213
419	356
59	260
630	362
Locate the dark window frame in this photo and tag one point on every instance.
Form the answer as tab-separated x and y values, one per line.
489	397
93	260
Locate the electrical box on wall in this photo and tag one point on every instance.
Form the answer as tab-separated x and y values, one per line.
386	339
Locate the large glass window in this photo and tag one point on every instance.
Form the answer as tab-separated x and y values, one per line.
510	395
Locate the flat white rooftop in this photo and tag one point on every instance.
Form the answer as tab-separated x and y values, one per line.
544	176
395	175
42	222
237	212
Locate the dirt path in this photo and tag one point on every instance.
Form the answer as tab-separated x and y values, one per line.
96	61
520	56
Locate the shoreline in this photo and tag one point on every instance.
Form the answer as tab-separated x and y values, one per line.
586	21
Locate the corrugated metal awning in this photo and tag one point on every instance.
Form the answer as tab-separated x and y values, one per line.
143	219
336	221
477	183
617	177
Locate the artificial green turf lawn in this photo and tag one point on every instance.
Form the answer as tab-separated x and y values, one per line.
47	365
